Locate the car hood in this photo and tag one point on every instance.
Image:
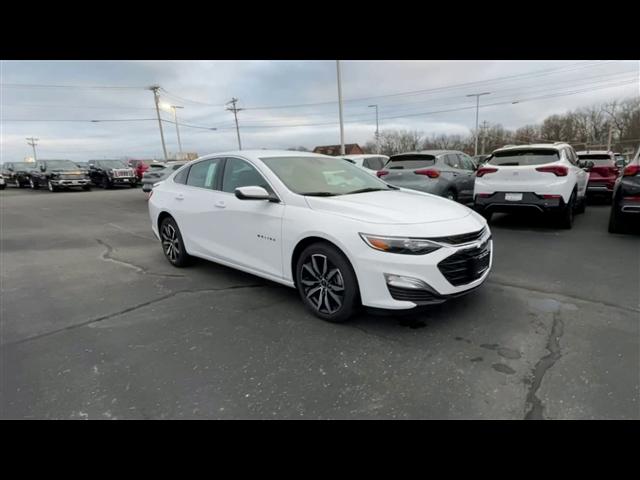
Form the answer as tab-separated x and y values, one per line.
397	207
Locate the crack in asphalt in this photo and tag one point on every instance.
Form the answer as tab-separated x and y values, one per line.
107	256
128	310
562	295
536	410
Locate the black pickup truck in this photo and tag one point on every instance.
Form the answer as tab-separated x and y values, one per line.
108	173
58	174
16	173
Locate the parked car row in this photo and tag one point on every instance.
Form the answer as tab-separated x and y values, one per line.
549	178
63	174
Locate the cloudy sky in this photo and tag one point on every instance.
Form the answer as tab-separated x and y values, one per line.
286	103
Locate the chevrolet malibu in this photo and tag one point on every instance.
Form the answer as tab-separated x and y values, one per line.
342	237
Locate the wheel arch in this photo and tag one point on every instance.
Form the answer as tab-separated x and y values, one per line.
309	240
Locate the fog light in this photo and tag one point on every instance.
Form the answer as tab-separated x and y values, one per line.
400	281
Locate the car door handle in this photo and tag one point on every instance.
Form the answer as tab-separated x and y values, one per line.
220	204
179	196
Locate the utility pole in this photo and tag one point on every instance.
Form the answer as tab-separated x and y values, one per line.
175	119
477	95
156	97
377	129
342	151
33	142
485	127
235	111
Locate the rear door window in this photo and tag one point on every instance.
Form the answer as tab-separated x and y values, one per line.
204	174
517	158
181	176
411	162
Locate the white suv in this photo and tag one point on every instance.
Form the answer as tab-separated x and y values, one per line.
546	177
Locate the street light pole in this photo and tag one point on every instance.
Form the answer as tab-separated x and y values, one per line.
377	129
33	142
156	98
175	119
342	151
477	95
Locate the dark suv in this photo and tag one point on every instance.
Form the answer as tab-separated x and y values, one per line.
447	173
57	174
625	206
108	173
17	173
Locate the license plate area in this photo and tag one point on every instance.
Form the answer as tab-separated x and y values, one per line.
513	197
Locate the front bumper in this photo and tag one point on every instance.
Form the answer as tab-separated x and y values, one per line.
497	202
374	269
123	180
57	182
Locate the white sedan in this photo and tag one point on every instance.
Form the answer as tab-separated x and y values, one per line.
342	237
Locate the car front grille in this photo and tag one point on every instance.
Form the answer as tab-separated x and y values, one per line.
124	172
462	238
72	176
466	266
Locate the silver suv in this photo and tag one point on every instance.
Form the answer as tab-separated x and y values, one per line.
447	173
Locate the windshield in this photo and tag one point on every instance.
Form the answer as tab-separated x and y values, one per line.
411	162
112	164
523	157
322	176
23	166
60	165
598	159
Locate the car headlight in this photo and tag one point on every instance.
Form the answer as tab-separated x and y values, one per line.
403	245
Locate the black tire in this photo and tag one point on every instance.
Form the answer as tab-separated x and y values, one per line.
327	283
51	186
3	186
565	218
616	223
172	243
451	195
133	185
106	184
86	188
34	185
582	205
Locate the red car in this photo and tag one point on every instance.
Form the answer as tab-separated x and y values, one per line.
603	174
139	166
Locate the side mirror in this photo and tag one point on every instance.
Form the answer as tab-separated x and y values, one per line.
43	168
253	193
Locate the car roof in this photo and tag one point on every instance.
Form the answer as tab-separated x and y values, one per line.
364	155
594	152
550	146
427	152
259	154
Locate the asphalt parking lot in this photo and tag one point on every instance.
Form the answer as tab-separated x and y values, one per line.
97	325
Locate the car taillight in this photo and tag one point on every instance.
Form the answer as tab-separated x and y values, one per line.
429	172
633	198
631	170
551	196
557	170
484	171
381	173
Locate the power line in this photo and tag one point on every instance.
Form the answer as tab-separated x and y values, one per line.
34	85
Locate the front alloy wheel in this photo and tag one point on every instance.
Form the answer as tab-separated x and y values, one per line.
32	184
52	187
327	283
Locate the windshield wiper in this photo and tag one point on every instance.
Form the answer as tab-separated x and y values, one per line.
368	189
318	194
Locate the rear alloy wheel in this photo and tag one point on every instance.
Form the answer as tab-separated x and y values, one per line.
565	219
326	283
172	244
451	195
